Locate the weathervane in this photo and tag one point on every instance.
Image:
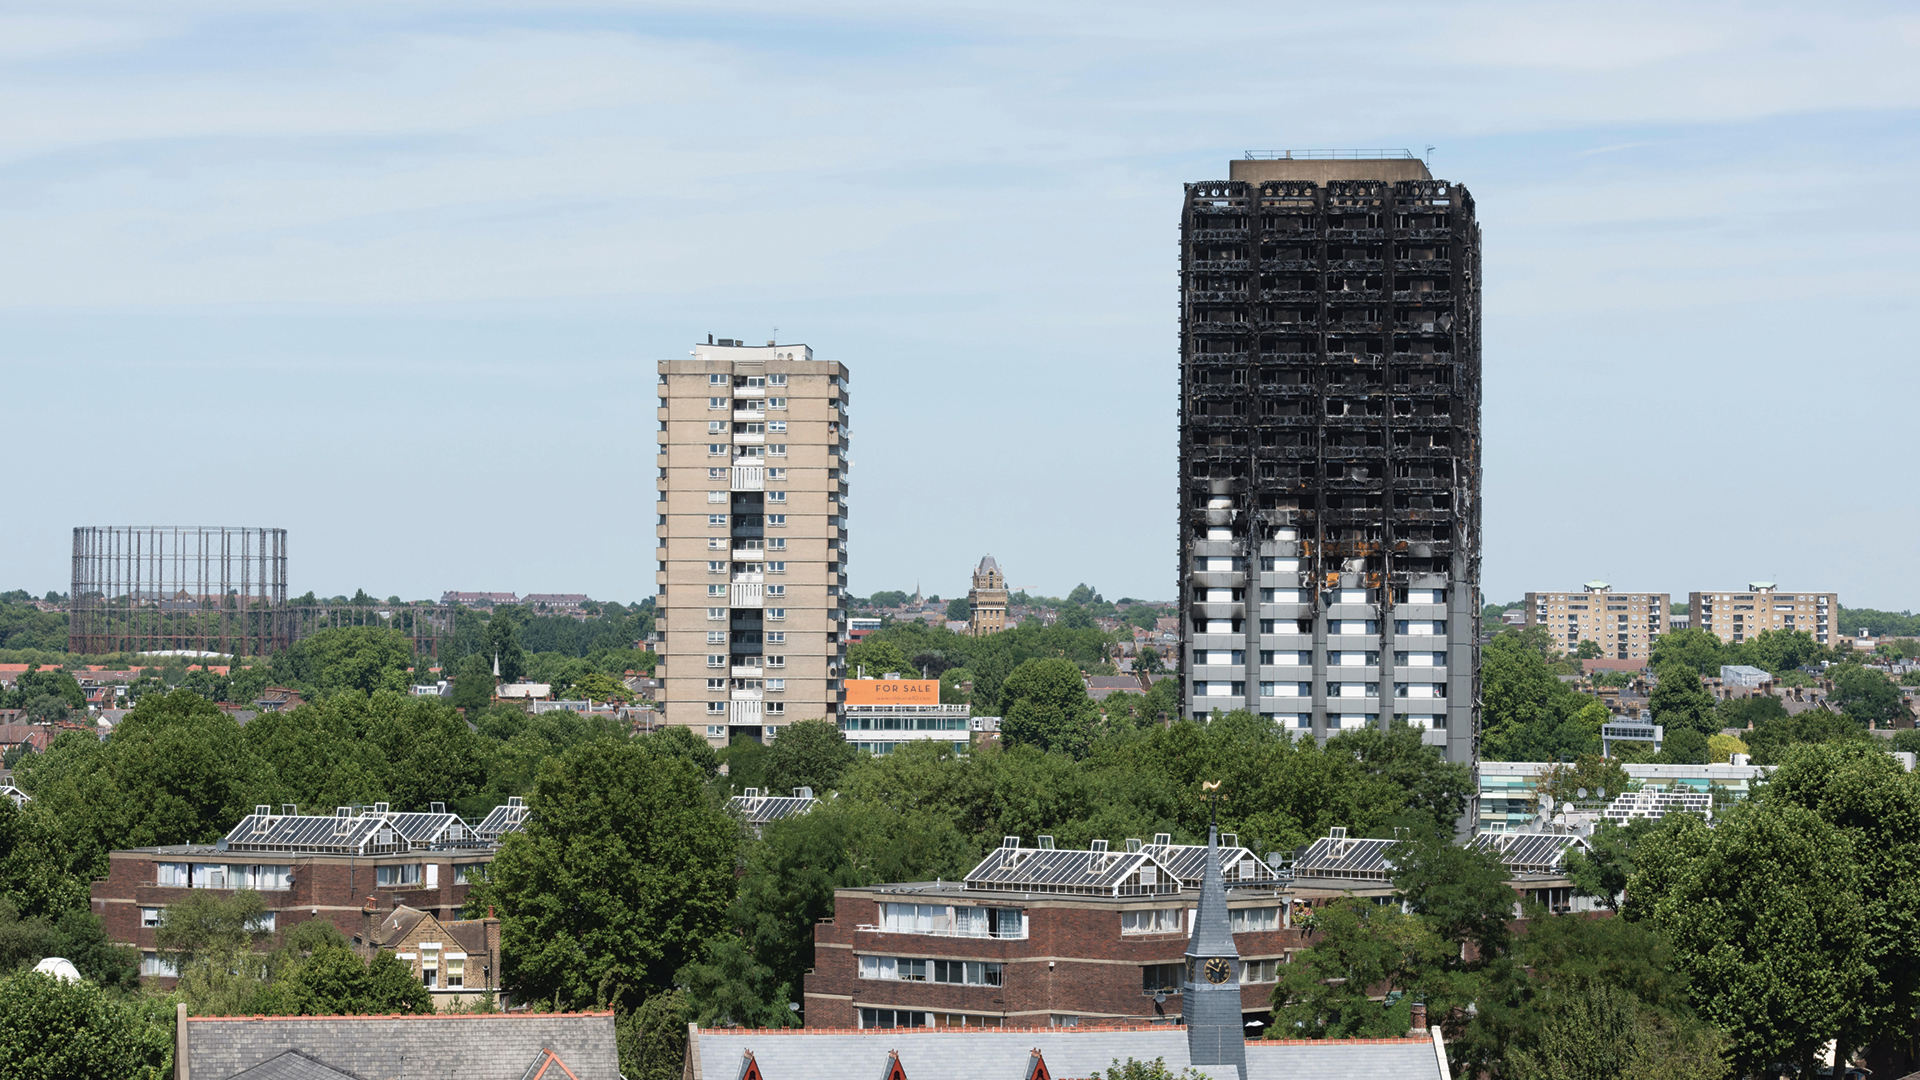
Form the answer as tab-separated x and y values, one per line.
1212	799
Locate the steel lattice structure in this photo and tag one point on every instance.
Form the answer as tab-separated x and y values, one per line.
152	587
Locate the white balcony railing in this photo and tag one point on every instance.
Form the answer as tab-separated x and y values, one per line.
748	594
749	477
1004	935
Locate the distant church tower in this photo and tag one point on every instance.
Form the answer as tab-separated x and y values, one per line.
988	599
1216	1035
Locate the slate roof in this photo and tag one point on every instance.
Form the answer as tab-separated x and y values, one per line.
1098	872
497	1046
294	1065
1005	1053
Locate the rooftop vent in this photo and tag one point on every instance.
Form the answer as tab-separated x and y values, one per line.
1133	844
1338	832
290	809
1009	841
1229	839
751	793
1046	842
263	809
1096	845
803	793
1163	838
380	808
515	800
436	808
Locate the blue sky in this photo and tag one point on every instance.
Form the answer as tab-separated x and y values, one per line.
393	276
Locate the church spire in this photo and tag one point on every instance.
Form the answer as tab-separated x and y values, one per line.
1216	1035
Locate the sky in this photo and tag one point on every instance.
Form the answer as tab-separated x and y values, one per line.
393	276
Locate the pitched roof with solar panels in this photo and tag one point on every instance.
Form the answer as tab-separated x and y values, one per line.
758	808
503	820
1337	855
1531	852
1094	872
1238	866
351	830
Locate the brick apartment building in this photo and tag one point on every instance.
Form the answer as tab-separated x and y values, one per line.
1039	937
353	868
1036	936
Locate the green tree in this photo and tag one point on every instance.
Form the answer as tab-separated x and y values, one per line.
1133	1069
334	981
746	761
1781	651
1866	695
959	609
653	1038
1360	947
1045	704
595	686
1462	892
363	658
473	683
1587	649
1875	805
502	643
1781	966
1680	701
56	1029
1436	790
751	971
175	770
626	865
1698	649
38	682
1603	872
1684	746
36	878
211	941
876	658
1772	738
75	935
811	753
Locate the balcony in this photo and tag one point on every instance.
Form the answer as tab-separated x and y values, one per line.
749	478
749	391
748	553
748	594
754	410
744	439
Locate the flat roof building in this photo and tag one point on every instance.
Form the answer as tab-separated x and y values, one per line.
1329	476
1736	615
1624	625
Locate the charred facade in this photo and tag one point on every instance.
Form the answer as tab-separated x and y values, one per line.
1330	447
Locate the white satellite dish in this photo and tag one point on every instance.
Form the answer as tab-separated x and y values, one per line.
59	968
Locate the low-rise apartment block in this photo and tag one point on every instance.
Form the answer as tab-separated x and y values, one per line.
1624	625
352	868
1738	615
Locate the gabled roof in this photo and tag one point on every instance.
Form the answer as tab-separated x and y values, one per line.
1531	852
351	830
1337	856
1188	862
1097	872
294	1065
502	820
757	810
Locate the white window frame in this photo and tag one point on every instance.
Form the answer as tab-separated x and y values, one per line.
776	614
776	521
778	449
716	708
716	660
716	614
716	427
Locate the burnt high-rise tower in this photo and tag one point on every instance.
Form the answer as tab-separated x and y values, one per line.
1330	446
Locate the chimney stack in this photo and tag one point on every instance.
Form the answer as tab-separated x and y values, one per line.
1419	1018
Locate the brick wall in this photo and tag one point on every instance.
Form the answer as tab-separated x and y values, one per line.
335	889
1074	962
